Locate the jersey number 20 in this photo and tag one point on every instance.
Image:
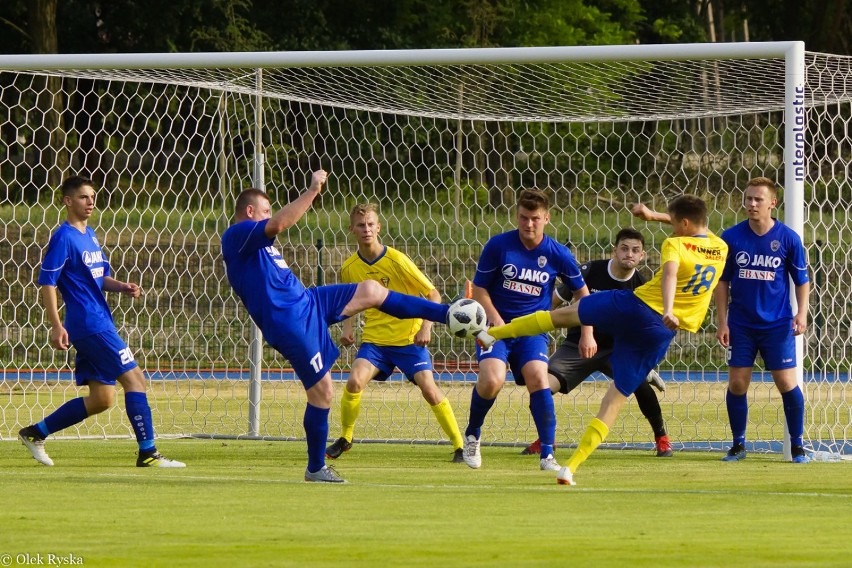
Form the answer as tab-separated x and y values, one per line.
702	280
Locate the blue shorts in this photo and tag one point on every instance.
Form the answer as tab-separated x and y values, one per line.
410	359
640	337
305	340
102	357
776	346
517	352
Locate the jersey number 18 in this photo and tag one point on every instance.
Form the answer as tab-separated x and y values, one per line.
701	280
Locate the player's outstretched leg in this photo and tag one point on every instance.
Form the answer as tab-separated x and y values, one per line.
34	442
403	306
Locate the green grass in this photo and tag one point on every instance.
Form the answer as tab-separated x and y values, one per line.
694	412
242	503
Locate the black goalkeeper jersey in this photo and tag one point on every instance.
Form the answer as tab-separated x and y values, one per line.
597	277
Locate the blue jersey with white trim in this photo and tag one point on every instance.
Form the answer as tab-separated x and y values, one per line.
759	268
521	281
75	263
261	277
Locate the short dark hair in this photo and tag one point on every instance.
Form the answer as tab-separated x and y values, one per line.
533	199
690	207
629	233
247	197
74	183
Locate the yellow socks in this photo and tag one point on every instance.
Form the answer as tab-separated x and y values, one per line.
532	324
596	433
350	406
444	413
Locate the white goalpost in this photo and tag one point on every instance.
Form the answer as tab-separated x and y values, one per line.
442	140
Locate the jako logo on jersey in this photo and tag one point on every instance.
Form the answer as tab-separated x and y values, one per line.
510	271
92	257
763	260
534	276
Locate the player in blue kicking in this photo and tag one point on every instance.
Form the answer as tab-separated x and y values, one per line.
515	276
764	254
294	320
76	265
641	322
388	342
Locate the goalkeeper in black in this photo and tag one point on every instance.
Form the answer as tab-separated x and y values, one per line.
567	367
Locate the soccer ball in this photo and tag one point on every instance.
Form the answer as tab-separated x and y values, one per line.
466	318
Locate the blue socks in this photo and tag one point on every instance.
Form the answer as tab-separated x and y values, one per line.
316	434
794	412
737	415
70	413
74	411
479	408
403	306
139	414
544	416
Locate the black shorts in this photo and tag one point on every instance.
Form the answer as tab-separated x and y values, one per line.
570	369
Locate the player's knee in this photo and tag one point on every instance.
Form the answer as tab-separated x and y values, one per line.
372	292
321	393
431	394
488	387
133	380
100	402
354	386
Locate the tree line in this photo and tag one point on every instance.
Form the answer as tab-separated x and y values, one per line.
130	26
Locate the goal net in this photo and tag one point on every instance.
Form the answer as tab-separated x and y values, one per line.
442	141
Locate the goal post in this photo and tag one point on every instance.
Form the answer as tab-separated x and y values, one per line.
442	140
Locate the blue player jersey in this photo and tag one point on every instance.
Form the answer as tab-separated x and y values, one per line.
521	281
261	278
758	268
76	265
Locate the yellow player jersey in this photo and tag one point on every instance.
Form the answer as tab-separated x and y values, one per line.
700	263
395	271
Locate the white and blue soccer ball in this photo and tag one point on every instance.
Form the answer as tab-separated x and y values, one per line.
466	318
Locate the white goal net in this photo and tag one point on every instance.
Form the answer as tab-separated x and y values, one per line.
442	141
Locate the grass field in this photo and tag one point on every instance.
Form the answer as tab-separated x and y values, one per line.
242	503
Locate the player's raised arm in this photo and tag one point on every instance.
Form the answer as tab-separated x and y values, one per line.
642	211
288	215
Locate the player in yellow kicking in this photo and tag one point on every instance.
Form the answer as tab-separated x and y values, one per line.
643	321
388	342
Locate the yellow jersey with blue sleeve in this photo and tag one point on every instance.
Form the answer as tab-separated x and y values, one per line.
700	260
395	271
